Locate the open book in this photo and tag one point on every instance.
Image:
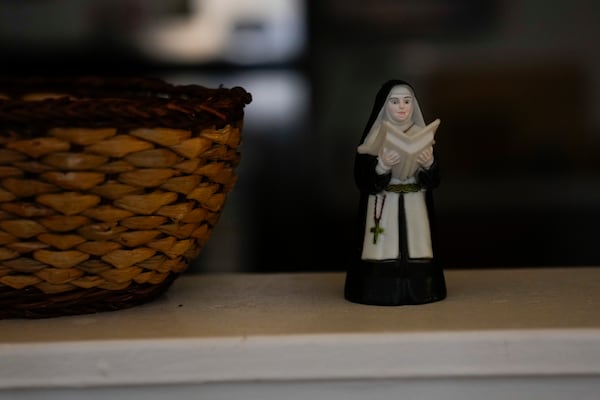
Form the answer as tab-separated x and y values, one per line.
408	146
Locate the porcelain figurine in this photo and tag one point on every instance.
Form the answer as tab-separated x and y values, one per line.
395	170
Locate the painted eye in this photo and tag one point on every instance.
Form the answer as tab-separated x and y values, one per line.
394	101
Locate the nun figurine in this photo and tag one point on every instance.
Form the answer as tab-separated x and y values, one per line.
394	261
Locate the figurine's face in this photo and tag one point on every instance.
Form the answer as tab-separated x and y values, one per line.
400	104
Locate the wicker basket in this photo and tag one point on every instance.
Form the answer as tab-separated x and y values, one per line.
108	188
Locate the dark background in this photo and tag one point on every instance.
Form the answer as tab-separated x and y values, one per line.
516	84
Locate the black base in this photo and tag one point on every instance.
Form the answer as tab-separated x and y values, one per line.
391	284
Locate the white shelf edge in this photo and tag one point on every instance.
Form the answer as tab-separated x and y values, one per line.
494	353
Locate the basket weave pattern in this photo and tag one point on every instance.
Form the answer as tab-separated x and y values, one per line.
104	200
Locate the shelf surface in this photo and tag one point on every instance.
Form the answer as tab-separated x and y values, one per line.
297	326
239	305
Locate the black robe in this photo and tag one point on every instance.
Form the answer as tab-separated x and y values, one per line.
398	281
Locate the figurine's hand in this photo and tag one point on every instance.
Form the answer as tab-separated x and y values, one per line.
388	158
425	159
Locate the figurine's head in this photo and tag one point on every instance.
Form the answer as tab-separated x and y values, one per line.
399	105
395	102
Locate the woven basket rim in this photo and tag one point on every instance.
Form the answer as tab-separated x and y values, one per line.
99	86
112	101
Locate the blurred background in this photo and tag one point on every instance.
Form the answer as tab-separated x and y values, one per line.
516	84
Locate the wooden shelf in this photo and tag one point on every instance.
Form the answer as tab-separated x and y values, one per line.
293	335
